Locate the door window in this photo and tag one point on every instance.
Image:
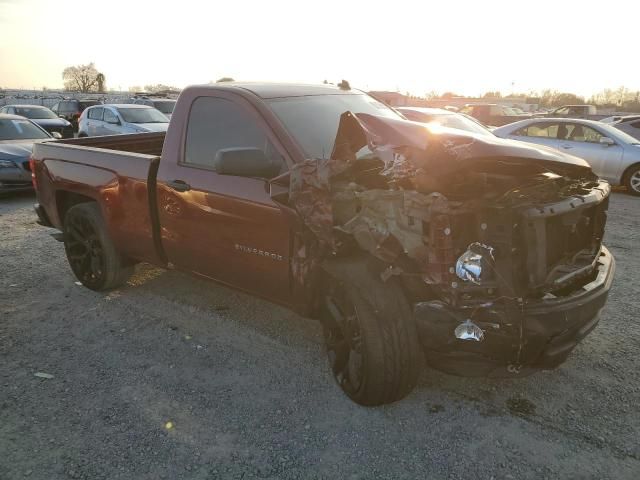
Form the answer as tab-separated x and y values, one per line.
216	124
95	113
581	133
109	116
544	130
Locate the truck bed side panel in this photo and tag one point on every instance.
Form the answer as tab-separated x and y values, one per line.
116	180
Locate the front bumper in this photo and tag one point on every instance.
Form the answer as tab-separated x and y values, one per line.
519	338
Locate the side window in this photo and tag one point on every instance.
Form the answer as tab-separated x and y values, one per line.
95	113
582	133
543	130
109	116
54	109
66	107
216	124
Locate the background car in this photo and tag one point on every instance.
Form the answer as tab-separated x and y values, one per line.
17	136
165	105
42	116
120	119
612	154
629	124
446	118
71	110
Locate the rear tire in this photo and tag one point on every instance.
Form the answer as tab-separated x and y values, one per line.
370	333
91	254
82	135
632	180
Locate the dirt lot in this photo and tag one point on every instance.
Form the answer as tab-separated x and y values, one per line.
248	393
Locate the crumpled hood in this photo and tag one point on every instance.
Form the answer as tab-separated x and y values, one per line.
441	145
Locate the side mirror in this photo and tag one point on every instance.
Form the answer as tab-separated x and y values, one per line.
56	135
607	141
245	162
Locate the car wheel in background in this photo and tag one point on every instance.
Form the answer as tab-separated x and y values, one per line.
632	180
82	135
91	254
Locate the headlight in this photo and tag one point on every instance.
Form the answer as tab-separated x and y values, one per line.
7	164
472	263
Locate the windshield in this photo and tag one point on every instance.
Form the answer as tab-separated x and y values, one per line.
20	130
35	112
142	115
165	107
313	120
616	134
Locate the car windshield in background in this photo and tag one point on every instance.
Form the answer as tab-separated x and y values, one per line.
35	112
614	133
313	120
142	115
165	107
89	103
20	130
460	122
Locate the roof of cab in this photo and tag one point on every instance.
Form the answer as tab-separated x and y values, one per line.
280	90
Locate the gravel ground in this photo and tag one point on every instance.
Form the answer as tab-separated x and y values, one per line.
247	389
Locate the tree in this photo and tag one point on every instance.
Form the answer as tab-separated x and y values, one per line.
100	80
225	79
495	94
83	78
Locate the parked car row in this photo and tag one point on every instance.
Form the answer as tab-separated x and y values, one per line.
42	116
17	136
612	154
121	119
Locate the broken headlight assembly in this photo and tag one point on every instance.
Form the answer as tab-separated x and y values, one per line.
474	265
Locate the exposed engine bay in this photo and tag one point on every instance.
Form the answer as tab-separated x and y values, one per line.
471	225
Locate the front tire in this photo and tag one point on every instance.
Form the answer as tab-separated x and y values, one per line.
370	333
632	180
91	254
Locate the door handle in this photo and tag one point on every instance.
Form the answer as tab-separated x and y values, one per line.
179	185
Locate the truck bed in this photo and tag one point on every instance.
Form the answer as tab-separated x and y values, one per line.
118	172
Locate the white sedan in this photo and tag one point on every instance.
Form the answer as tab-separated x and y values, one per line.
612	154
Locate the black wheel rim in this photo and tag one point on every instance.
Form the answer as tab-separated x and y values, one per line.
343	338
84	250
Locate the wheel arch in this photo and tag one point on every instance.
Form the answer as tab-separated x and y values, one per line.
627	171
66	199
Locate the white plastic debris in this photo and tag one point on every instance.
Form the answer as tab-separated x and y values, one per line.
48	376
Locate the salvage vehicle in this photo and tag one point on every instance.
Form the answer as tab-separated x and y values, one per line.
118	119
17	136
165	105
612	154
491	114
71	109
41	116
483	255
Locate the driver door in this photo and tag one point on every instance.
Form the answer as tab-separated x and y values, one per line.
224	227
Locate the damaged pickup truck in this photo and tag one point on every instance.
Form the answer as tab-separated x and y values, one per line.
483	255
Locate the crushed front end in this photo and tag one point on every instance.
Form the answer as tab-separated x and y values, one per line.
498	244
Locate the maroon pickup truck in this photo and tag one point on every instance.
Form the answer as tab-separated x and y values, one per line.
483	255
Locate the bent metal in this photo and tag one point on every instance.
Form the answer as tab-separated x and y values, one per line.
256	251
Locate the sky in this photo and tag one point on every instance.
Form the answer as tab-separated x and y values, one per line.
467	47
